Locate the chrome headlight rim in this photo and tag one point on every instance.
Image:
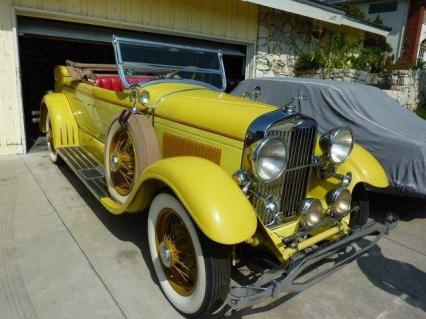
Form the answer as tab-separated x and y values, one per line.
310	208
256	154
327	141
335	197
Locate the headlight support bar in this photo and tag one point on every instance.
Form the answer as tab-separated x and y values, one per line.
240	297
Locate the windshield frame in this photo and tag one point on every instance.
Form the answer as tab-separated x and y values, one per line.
122	65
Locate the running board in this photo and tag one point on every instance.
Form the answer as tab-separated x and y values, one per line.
86	168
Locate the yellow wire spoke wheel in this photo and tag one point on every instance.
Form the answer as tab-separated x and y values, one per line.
122	161
177	254
193	271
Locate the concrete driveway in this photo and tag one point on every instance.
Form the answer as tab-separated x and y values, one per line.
63	256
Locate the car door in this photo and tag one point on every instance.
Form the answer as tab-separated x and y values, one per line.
81	102
108	105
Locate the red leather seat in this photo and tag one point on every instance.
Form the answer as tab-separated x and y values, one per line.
112	82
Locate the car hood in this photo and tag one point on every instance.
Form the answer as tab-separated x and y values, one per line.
206	109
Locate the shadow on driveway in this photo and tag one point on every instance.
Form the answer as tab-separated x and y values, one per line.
126	227
398	278
395	277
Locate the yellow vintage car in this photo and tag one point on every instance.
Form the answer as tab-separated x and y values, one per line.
216	174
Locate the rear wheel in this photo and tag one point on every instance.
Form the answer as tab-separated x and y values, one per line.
193	271
360	198
53	154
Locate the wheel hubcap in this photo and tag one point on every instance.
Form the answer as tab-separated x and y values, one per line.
176	252
165	254
114	162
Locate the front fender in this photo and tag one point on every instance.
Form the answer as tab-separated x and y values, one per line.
64	125
365	168
215	202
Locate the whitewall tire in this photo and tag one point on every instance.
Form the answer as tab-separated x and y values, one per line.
53	154
210	263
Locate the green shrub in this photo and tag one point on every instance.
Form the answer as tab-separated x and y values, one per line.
308	61
378	20
352	10
336	52
375	56
421	111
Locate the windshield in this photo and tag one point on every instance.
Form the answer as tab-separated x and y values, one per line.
168	62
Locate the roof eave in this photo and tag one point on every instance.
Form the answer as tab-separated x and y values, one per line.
323	12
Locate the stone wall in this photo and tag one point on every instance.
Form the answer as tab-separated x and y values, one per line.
408	87
281	37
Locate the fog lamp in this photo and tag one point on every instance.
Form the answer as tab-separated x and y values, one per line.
310	212
340	200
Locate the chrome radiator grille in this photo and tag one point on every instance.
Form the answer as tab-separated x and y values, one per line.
291	188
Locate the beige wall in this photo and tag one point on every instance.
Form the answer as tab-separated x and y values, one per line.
11	131
227	20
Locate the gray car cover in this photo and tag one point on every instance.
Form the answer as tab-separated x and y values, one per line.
396	136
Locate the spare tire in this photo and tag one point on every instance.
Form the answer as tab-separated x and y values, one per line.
130	147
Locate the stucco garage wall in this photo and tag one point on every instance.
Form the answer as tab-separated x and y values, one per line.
10	109
227	20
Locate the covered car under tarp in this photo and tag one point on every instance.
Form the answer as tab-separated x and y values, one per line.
396	136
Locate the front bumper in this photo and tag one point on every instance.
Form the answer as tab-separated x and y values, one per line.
288	278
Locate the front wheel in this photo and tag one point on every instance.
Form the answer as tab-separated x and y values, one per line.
360	198
193	271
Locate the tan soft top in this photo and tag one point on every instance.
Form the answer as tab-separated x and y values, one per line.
86	71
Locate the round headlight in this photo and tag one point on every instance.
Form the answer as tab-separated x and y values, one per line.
269	159
338	144
340	200
310	212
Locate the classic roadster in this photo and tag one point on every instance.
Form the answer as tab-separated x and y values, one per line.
216	173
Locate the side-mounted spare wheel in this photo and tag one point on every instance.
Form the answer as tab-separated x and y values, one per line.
130	147
193	271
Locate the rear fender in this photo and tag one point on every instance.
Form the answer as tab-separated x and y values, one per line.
215	202
64	125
